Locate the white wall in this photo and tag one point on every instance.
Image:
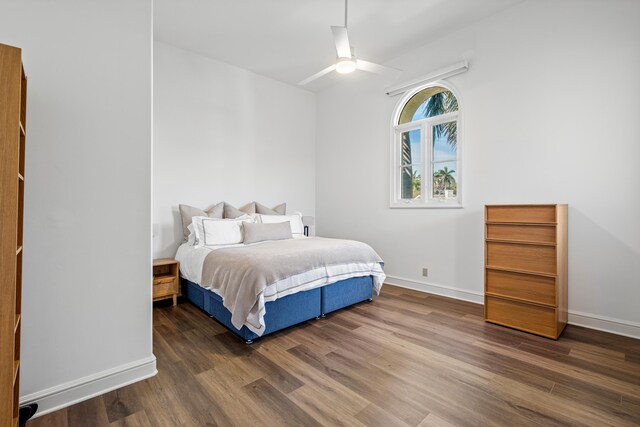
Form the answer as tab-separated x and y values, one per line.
87	250
222	133
551	105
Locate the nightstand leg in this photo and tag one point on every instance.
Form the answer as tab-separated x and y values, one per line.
175	299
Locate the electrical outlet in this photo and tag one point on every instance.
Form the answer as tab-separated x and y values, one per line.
425	272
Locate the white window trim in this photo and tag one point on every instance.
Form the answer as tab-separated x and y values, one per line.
426	141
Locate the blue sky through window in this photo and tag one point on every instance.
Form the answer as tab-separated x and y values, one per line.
444	155
442	150
416	152
420	112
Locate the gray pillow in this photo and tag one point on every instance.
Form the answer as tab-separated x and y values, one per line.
215	211
281	209
232	212
187	212
260	232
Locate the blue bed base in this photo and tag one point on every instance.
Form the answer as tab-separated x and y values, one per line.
287	311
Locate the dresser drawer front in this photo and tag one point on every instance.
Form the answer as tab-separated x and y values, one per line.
540	289
534	258
527	317
526	233
164	289
529	213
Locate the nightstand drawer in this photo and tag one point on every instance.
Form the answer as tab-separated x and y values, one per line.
163	279
534	258
521	213
529	287
527	317
165	288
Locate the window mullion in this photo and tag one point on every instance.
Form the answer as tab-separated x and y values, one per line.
399	162
422	145
427	162
436	120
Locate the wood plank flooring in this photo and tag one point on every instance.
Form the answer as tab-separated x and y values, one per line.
407	359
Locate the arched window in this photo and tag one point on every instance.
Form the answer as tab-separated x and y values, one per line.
426	149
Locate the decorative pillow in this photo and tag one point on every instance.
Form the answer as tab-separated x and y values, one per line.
260	232
296	221
188	212
232	212
216	231
215	211
281	209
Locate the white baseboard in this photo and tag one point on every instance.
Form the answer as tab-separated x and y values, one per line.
446	291
606	324
63	395
587	320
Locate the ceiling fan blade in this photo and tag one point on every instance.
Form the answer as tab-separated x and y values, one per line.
372	67
318	75
341	39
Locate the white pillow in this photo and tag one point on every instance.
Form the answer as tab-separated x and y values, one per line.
296	221
216	231
191	240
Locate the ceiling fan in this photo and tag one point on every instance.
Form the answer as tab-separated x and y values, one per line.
346	61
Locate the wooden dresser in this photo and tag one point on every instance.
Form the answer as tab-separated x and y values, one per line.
525	275
13	121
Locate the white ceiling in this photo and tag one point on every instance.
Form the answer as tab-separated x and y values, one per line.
289	40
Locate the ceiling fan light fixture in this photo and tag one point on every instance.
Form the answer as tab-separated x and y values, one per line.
346	61
345	65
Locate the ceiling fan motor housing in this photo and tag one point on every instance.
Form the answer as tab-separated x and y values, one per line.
346	65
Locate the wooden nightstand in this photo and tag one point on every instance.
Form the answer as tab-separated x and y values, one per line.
166	277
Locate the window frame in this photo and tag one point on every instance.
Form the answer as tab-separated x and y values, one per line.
425	126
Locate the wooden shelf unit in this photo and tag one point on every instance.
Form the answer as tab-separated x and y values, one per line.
13	119
525	275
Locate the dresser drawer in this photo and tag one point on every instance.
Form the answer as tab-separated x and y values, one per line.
540	289
527	317
165	288
535	258
521	213
526	233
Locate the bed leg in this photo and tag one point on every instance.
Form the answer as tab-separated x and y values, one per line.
248	342
317	317
370	299
323	315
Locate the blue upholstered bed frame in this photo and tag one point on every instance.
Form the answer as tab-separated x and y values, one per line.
287	311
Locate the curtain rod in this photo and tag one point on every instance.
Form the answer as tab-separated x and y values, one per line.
452	70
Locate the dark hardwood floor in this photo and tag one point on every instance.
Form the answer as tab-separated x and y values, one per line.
407	359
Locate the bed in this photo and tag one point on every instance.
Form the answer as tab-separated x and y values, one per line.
260	288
